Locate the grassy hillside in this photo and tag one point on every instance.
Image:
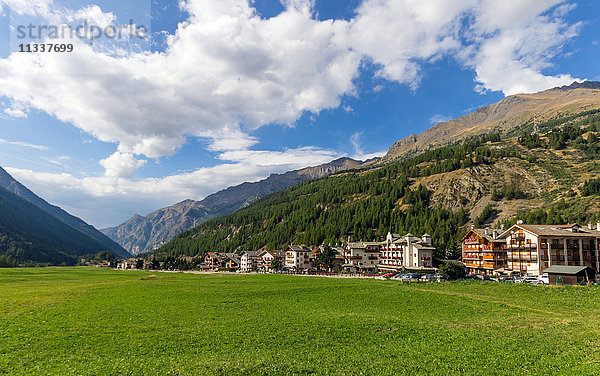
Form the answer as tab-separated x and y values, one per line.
486	181
105	322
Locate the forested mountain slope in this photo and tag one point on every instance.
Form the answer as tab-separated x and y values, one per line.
30	235
438	192
143	234
10	184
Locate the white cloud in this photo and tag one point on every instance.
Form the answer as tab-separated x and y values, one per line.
223	68
399	35
521	39
28	7
439	118
121	165
94	15
111	199
227	71
23	144
359	153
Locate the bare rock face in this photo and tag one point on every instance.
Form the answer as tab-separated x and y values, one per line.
142	234
504	116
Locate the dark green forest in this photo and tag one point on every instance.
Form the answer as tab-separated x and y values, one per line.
366	204
30	236
362	205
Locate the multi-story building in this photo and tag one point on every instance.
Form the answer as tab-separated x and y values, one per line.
297	257
249	261
405	252
532	248
214	260
222	261
484	251
266	258
362	256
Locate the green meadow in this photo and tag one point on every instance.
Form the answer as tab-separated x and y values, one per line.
90	321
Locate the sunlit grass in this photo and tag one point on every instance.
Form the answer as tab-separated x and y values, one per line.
98	321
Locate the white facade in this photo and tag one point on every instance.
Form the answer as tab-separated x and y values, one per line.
297	257
362	255
532	248
248	261
266	258
408	251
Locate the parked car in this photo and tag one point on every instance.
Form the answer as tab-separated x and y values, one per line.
430	277
506	279
532	280
544	279
385	276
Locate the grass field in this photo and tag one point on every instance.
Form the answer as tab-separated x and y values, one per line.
89	321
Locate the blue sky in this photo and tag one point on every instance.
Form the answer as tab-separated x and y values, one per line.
227	91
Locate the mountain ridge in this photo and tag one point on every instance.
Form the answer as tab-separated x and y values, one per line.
12	185
503	117
29	235
142	234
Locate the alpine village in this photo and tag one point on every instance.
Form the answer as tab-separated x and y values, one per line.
508	192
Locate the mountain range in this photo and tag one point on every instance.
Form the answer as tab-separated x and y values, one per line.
528	156
505	117
33	230
142	234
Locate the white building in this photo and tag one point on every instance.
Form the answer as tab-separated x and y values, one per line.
409	251
297	257
249	261
361	256
530	249
266	258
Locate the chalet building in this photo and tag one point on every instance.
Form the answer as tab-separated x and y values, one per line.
483	251
405	252
362	256
266	258
530	249
232	261
222	261
214	260
297	257
249	261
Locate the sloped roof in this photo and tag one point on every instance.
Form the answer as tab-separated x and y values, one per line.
298	248
274	253
564	269
489	237
556	230
253	253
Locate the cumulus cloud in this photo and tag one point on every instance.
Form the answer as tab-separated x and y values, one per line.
227	71
94	15
112	198
121	165
224	68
